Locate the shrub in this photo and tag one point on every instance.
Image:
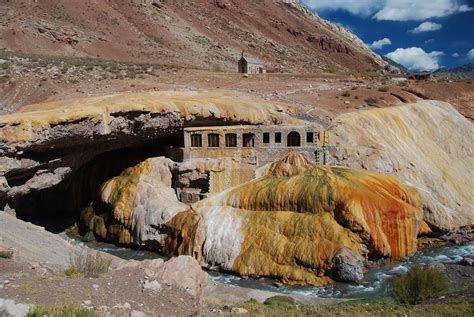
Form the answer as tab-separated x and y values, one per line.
131	73
216	68
346	94
156	38
356	97
64	311
419	284
88	262
371	101
6	254
384	88
331	69
280	299
72	272
64	69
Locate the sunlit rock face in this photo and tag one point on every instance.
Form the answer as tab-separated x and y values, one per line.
140	201
427	145
289	223
44	144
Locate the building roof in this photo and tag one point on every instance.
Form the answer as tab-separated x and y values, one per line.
255	127
252	60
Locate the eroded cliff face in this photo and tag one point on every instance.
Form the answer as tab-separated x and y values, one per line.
46	143
427	145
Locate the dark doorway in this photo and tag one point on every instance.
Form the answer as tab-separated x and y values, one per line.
294	139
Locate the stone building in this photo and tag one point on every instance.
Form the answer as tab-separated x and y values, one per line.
242	150
250	65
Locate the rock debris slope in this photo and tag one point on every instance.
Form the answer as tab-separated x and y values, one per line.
199	33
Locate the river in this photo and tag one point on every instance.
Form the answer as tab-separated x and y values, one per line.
376	282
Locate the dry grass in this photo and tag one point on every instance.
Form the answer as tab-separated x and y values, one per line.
89	263
374	307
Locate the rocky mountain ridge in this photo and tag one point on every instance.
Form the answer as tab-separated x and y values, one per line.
461	72
203	34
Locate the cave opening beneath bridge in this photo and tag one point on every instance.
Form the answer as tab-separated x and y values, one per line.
59	207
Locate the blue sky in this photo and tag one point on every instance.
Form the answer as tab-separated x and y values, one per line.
422	35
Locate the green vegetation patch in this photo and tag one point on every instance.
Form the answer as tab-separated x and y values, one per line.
64	311
386	307
419	284
6	254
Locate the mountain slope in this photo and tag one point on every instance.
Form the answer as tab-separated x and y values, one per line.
462	72
209	34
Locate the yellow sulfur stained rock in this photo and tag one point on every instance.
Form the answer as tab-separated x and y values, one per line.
35	122
427	145
287	224
290	223
141	199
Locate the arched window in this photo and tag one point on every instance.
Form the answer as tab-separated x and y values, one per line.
294	139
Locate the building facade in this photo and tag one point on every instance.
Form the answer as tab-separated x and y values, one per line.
233	154
258	145
250	65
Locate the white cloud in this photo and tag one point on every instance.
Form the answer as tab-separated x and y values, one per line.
427	27
455	55
415	58
376	45
416	10
429	41
355	7
470	54
394	10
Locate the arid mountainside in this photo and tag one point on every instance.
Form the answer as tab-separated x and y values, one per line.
427	145
207	34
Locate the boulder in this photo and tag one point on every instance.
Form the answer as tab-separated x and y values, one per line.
467	262
185	273
8	308
348	267
438	266
238	311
